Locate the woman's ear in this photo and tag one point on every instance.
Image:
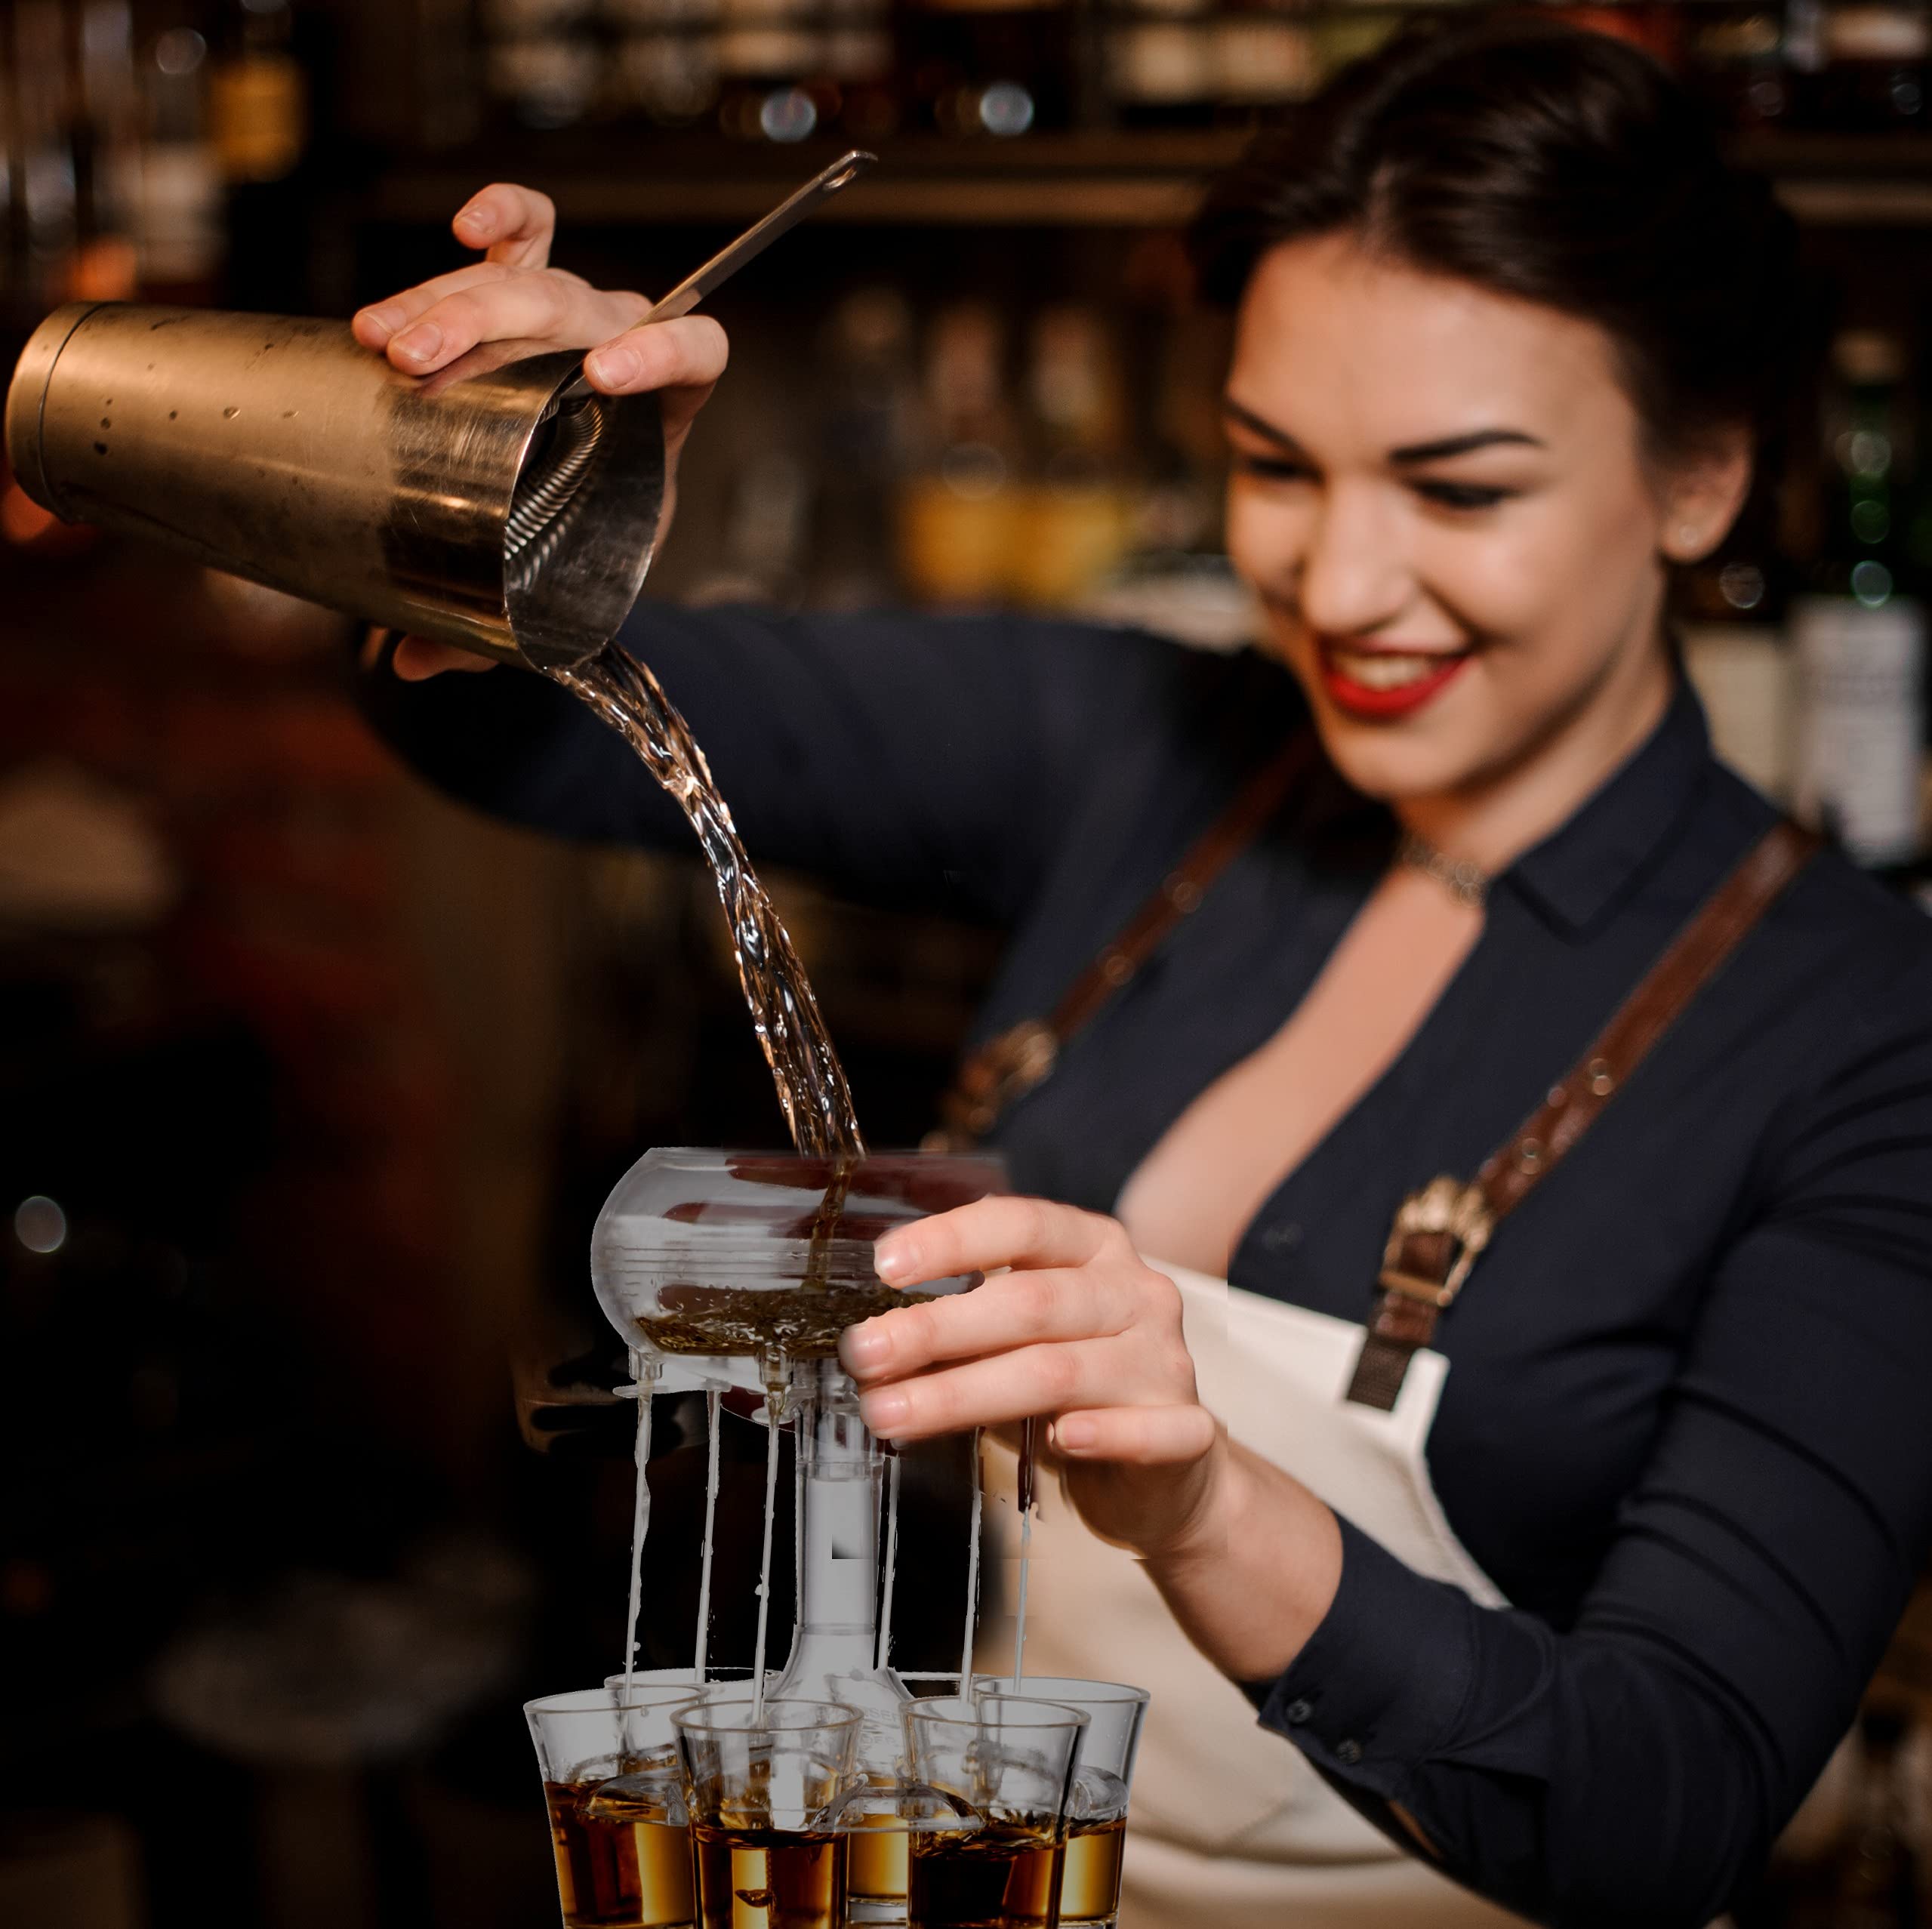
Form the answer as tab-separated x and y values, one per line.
1705	493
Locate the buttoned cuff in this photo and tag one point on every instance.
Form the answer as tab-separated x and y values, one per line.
1379	1684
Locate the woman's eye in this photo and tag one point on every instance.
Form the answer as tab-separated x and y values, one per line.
1462	496
1273	468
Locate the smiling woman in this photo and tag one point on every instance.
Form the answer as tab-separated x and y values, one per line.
1551	1491
1434	579
1517	244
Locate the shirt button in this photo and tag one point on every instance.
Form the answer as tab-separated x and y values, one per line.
1282	1238
1296	1712
1348	1753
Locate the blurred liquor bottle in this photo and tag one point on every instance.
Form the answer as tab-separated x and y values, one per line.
1871	71
860	61
68	154
40	179
1860	643
958	509
1162	65
1741	65
1190	63
542	60
104	135
771	64
178	233
868	387
258	117
258	101
1074	523
997	68
666	58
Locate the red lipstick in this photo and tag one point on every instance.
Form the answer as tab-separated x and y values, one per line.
1359	700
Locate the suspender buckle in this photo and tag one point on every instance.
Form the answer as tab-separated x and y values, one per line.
1435	1238
1005	1069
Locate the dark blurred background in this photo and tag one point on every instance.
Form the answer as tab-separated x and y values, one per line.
311	1083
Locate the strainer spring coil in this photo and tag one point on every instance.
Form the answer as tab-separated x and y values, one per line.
547	488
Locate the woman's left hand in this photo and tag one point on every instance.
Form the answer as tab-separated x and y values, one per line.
1079	1329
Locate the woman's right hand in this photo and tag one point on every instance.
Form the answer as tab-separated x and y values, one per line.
513	294
1072	1325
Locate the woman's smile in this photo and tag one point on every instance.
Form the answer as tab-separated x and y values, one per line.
1375	681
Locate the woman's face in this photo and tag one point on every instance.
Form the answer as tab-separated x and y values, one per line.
1441	496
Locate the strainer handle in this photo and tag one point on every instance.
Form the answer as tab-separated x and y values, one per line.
689	292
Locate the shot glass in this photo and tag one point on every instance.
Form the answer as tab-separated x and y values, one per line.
613	1786
1006	1765
1097	1809
765	1786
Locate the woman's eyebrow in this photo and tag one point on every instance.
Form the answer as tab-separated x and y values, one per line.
1408	455
1440	451
1249	420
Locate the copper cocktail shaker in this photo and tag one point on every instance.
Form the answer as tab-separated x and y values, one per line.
501	503
482	505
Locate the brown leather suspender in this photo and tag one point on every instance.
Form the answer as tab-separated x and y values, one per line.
1009	1067
1439	1231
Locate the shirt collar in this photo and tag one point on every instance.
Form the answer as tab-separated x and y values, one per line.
1588	864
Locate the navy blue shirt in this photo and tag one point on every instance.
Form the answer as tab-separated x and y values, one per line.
1687	1429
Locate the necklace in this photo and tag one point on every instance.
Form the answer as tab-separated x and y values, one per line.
1467	883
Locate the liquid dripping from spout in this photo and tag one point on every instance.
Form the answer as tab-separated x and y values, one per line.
807	1416
1019	1618
972	1574
714	1403
772	1411
1029	1434
884	1652
640	1516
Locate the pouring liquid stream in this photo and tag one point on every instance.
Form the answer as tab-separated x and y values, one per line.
816	1102
812	1092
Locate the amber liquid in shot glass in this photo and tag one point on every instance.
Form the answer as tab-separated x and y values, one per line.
1005	1874
769	1879
1090	1881
620	1863
878	1862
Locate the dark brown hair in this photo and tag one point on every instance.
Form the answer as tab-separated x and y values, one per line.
1556	166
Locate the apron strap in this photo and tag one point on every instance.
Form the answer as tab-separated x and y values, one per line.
1439	1231
1006	1068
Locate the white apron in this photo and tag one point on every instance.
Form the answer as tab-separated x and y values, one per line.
1230	1828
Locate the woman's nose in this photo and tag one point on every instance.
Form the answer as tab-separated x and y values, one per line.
1353	577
